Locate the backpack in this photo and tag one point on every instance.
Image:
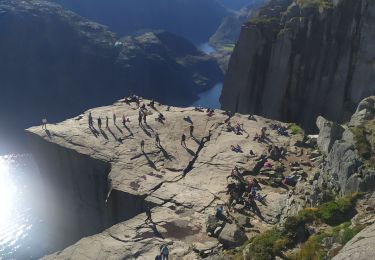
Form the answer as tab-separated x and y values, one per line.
158	257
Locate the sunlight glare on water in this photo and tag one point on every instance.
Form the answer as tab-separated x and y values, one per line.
18	207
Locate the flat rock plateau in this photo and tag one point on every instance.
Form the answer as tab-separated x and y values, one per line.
109	179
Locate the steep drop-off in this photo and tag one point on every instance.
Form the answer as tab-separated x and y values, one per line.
296	61
55	63
194	19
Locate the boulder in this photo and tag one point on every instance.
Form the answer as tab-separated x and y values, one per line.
329	132
232	236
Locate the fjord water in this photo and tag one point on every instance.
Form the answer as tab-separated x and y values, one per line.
23	229
209	98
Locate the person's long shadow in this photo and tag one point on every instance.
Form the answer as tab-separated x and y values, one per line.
118	128
165	153
156	231
104	134
149	127
195	140
94	131
189	151
48	133
145	130
114	136
151	163
128	129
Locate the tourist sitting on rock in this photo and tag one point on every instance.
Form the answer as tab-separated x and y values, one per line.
290	180
235	174
267	164
251	117
200	109
160	118
252	153
236	148
256	138
210	112
238	129
164	251
188	119
151	104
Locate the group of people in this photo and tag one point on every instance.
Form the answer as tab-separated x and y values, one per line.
99	120
242	191
281	130
237	128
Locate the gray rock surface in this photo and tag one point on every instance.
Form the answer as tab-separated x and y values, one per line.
278	71
232	236
184	186
361	247
345	169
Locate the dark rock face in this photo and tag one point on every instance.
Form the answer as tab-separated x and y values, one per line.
55	64
195	20
295	63
346	169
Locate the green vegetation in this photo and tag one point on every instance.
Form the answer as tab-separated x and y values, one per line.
332	212
365	142
274	242
267	245
295	129
261	20
313	248
228	47
325	4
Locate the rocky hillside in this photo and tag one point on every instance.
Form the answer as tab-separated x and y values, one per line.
300	59
195	20
55	63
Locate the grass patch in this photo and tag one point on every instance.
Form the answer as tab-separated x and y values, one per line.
228	47
313	248
325	4
364	137
267	245
295	129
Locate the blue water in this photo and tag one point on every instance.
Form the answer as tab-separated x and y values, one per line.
24	234
210	98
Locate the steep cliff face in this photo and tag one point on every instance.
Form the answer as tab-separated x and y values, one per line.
195	20
350	151
296	61
55	63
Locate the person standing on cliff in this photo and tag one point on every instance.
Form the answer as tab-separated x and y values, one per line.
144	118
44	122
100	123
157	140
140	117
106	122
143	145
148	214
90	120
183	141
114	119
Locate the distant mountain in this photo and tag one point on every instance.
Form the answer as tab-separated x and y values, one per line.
227	34
195	20
55	64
